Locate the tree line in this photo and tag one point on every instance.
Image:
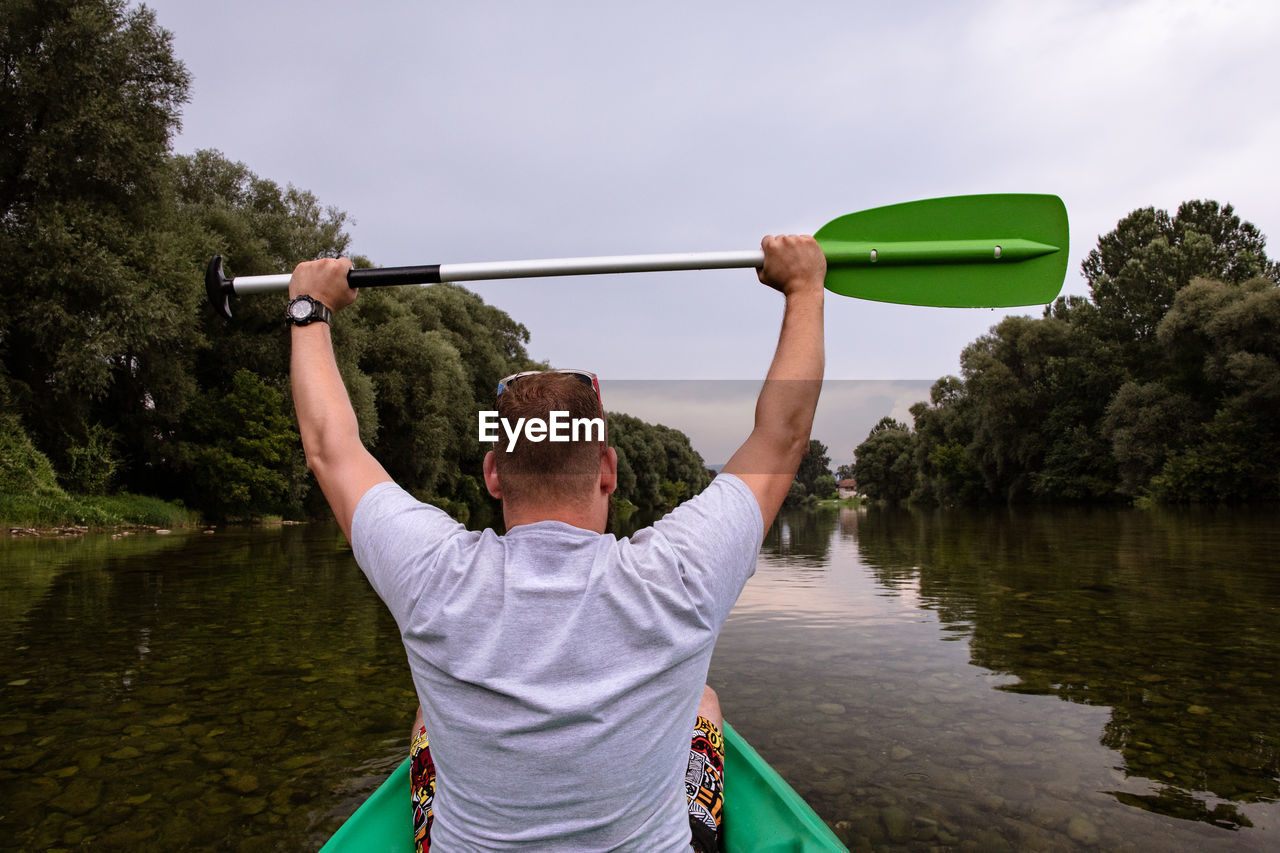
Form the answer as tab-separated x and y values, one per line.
115	375
1163	385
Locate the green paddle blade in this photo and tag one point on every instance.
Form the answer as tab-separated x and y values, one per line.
972	251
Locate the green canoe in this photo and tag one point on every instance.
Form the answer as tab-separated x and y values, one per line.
762	813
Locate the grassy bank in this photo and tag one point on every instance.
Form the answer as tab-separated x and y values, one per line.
30	495
846	503
59	509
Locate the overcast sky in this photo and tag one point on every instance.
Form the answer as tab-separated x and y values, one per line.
470	131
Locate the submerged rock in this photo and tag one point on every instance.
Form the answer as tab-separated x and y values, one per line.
897	823
82	796
1082	831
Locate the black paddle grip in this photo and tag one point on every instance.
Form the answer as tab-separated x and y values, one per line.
218	288
388	276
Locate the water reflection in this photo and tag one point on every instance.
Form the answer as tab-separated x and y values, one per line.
196	693
1168	619
801	538
1000	681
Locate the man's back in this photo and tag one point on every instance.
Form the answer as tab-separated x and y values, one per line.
496	697
559	669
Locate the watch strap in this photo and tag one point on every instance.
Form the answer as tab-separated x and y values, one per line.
319	311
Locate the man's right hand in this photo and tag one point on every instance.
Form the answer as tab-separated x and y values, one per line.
792	264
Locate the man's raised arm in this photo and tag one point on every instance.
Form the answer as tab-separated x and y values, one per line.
343	467
768	460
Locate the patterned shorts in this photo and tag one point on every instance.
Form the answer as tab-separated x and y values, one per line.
422	789
703	787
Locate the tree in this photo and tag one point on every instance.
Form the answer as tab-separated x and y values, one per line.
1222	341
92	299
258	227
1037	391
813	466
1164	384
948	473
110	361
657	467
684	466
1136	270
824	488
89	97
1008	375
883	464
240	451
1145	423
425	405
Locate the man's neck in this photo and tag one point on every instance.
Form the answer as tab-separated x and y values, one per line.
587	518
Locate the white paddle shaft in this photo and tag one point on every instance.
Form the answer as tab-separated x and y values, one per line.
487	270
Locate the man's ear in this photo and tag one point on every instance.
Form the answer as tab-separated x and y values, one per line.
491	475
608	470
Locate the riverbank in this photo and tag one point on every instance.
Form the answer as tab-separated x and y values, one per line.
33	499
60	513
840	503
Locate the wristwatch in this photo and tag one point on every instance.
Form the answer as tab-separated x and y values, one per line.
304	309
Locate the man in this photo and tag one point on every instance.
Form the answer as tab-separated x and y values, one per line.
559	668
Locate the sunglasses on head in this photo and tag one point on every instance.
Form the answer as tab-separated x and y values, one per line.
583	375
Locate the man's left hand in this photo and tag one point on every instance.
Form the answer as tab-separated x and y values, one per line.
325	280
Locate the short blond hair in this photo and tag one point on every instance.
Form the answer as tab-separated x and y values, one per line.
548	471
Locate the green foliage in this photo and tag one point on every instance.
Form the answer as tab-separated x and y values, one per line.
1222	348
91	310
673	492
51	509
1145	423
813	478
432	358
947	470
122	376
1037	391
92	465
884	464
258	227
815	464
1221	466
24	470
824	488
30	494
238	448
1167	384
141	509
59	509
422	393
91	92
1136	270
657	467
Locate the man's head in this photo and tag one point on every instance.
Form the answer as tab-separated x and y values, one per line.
563	479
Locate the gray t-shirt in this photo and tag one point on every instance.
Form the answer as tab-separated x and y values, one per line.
559	670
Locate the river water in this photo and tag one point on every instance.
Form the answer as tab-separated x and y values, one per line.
999	681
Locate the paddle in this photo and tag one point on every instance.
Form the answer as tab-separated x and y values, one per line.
976	251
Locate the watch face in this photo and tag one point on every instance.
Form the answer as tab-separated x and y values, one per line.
300	310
